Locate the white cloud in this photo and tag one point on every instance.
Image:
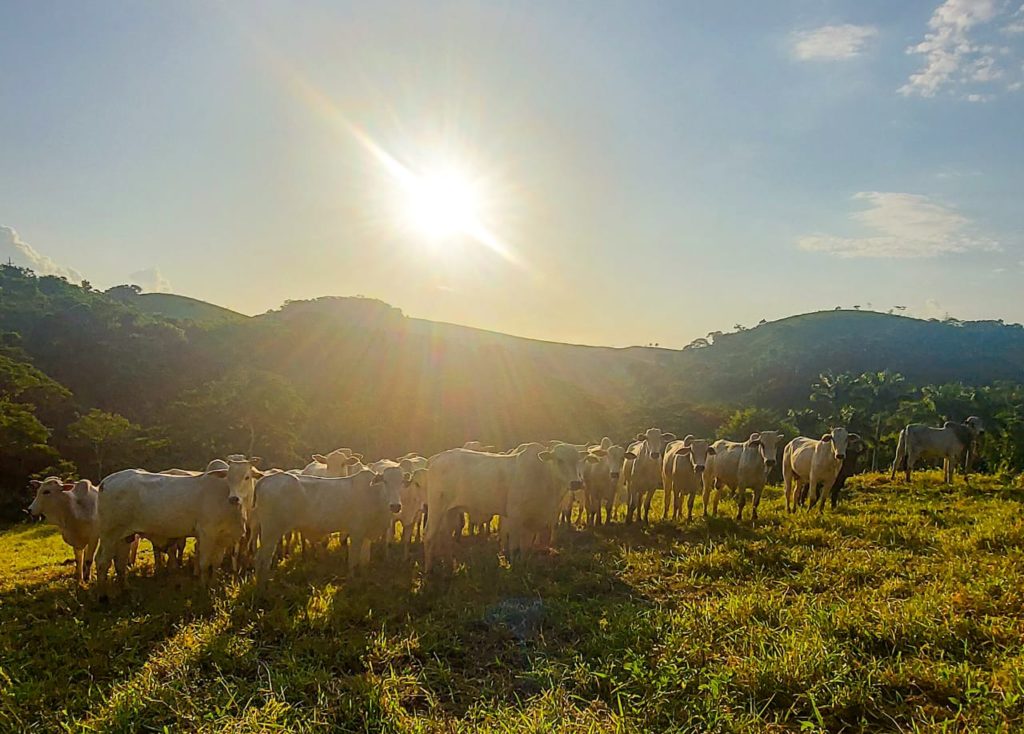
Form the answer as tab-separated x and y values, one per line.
902	225
954	57
151	280
17	251
832	42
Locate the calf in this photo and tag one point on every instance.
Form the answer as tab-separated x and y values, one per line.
72	507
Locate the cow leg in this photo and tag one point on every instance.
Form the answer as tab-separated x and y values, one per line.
756	503
689	504
122	559
265	556
358	554
716	497
90	554
133	551
741	501
79	564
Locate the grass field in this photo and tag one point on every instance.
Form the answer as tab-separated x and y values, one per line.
902	611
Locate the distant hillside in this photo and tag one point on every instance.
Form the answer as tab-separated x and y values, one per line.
177	308
773	363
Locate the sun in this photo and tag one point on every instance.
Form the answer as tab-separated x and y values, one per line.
442	204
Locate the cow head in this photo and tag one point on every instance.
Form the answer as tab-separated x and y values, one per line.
975	425
656	441
339	462
839	439
414	485
391	481
50	493
240	475
565	464
696	451
615	456
767	444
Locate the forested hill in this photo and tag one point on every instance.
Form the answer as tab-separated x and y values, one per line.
93	381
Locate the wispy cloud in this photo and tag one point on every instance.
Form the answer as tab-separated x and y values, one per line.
900	225
832	42
151	280
960	50
21	253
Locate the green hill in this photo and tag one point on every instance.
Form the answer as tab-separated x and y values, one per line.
180	308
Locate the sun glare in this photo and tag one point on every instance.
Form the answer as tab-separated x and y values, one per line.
442	205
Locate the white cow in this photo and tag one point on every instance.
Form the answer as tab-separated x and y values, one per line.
414	496
601	480
211	506
359	507
741	466
72	507
683	474
642	475
339	463
524	488
811	462
948	443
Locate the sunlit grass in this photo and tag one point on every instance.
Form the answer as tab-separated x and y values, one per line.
903	610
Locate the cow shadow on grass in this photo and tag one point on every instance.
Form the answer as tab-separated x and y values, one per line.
482	631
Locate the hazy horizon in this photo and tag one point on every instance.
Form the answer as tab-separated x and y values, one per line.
634	173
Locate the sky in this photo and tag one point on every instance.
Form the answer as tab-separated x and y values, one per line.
641	172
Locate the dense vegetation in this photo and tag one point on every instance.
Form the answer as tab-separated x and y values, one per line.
93	381
900	612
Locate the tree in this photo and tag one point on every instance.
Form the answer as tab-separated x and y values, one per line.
104	433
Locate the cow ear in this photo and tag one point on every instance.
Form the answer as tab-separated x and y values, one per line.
640	437
545	456
221	473
598	452
629	455
377	478
256	473
320	458
255	461
855	438
68	486
668	437
592	459
827	438
711	451
755	436
684	450
35	484
351	461
406	467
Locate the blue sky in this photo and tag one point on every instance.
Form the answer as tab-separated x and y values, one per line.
653	171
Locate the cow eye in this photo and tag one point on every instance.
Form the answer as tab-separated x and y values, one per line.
46	491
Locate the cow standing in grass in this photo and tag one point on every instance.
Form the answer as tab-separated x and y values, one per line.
814	463
642	475
741	466
683	474
72	507
949	443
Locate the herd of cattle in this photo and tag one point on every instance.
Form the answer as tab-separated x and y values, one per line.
236	511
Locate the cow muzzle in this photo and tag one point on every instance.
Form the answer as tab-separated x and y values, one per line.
699	468
235	499
770	463
396	507
575	485
840	456
655	454
615	475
